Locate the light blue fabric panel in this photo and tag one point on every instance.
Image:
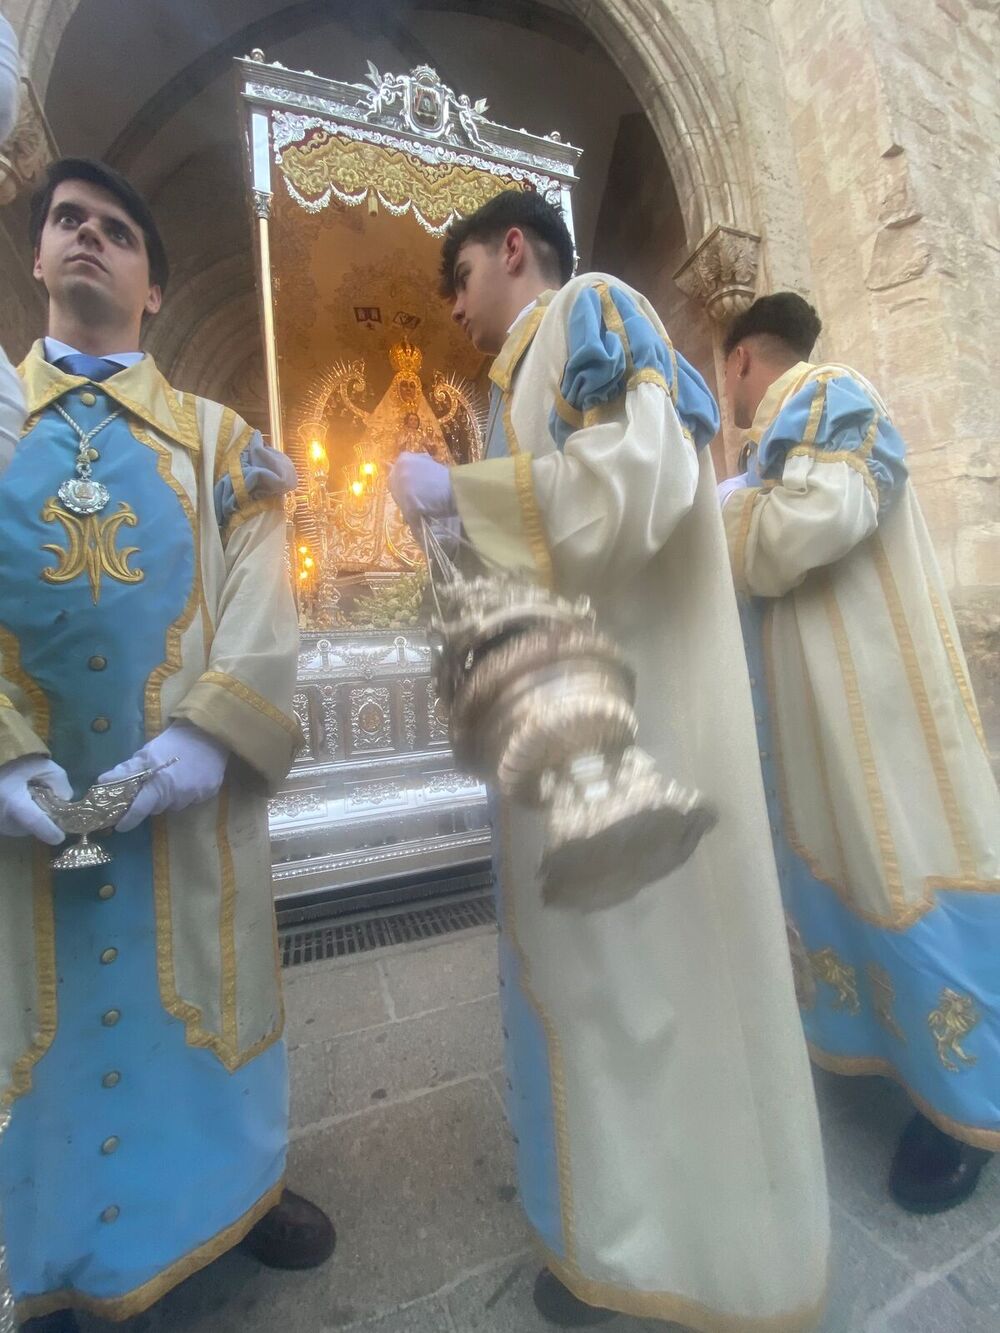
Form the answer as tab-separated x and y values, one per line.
846	418
597	368
266	472
955	946
528	1099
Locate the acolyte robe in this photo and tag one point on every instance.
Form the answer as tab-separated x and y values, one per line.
658	1086
884	808
140	1031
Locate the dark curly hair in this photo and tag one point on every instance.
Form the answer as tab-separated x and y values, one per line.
785	316
97	173
543	224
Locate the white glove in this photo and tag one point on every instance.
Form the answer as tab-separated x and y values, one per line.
196	776
421	487
19	812
725	488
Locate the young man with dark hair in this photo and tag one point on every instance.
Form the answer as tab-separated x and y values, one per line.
659	1093
884	808
146	622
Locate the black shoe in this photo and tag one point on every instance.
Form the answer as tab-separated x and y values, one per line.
932	1172
557	1304
61	1321
294	1234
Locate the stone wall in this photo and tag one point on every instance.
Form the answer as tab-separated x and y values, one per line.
895	120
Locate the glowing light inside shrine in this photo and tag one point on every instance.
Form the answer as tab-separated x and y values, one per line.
357	488
368	469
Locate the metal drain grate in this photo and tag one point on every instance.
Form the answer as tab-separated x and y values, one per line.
339	939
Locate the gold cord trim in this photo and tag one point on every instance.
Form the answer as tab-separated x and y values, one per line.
676	1309
859	724
119	1308
861	1066
251	697
922	703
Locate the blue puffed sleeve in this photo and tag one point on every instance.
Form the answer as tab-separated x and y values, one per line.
613	347
266	472
836	415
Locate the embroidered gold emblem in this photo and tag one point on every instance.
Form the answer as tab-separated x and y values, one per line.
91	548
884	999
833	971
953	1019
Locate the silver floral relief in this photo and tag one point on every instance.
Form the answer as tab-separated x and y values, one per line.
409	715
291	804
330	722
450	784
371	726
376	793
437	719
300	707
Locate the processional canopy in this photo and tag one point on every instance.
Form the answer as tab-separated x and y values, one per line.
353	186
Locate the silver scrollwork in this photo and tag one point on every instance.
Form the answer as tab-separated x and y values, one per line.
331	724
300	707
409	715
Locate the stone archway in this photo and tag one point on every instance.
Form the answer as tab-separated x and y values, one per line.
686	101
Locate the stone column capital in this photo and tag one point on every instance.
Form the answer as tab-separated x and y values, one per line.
721	272
30	148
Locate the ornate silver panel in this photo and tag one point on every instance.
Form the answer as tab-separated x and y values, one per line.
375	794
293	804
417	108
371	720
300	707
437	719
409	715
329	722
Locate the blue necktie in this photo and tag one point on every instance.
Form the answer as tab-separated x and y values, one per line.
93	368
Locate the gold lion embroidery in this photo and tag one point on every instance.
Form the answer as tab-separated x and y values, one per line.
953	1019
90	547
884	999
833	971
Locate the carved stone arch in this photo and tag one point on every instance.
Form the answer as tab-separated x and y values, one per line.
689	108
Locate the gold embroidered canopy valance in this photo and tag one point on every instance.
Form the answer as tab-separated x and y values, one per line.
329	164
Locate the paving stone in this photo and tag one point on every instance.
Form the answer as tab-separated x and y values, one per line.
939	1309
327	1003
358	1071
977	1280
864	1277
421	1192
434	977
423	1317
860	1131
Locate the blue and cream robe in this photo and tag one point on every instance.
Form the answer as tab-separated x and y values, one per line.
885	812
140	1028
658	1085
